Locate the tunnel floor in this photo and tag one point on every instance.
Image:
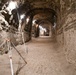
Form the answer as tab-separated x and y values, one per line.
44	57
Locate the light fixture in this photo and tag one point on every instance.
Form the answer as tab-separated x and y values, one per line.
34	21
12	5
20	21
42	29
27	20
22	16
54	25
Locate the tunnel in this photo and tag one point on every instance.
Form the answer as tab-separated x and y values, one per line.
37	37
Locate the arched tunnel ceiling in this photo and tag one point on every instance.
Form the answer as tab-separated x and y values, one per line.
44	3
46	25
41	9
43	18
44	15
44	10
53	4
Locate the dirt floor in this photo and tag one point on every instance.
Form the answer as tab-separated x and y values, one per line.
43	56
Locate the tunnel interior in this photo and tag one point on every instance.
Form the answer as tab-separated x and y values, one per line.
43	28
43	21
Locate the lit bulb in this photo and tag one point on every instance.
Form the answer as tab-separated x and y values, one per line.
22	16
34	21
12	5
27	20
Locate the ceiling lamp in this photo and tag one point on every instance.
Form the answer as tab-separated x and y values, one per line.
12	5
22	16
34	21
